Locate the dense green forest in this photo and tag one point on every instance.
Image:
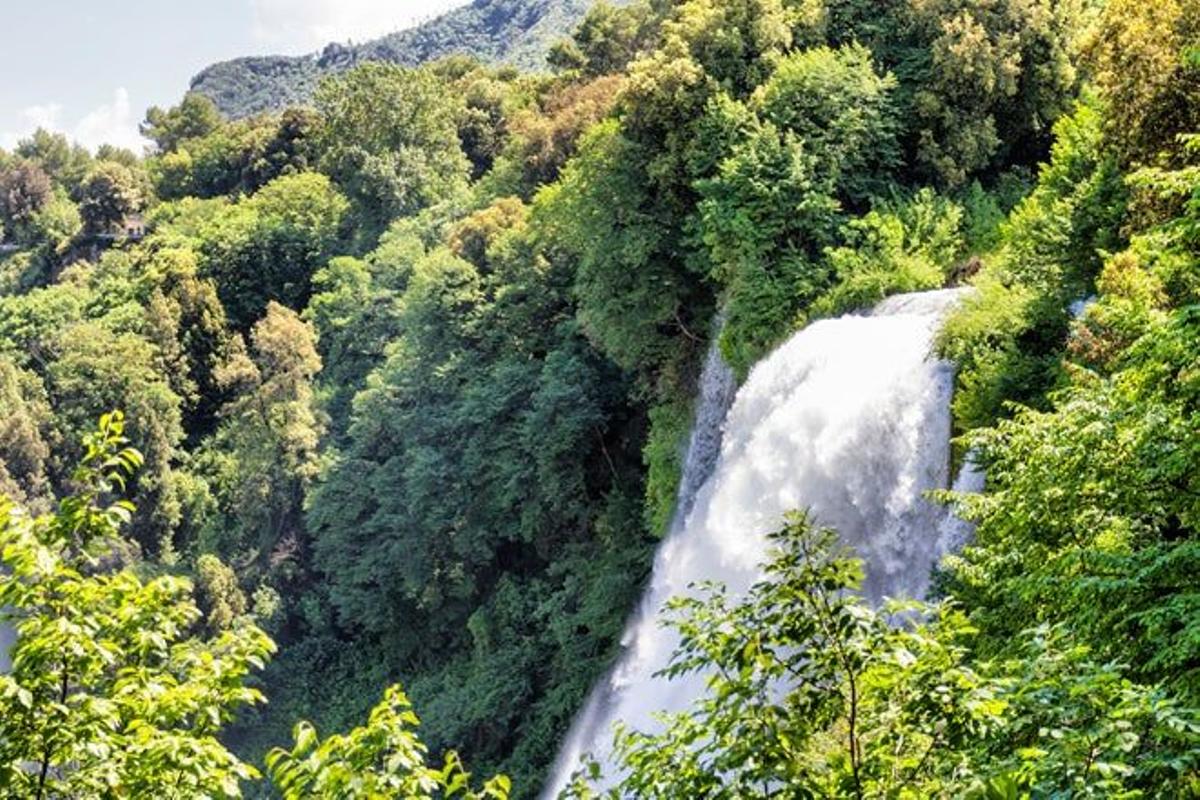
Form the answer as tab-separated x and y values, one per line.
402	377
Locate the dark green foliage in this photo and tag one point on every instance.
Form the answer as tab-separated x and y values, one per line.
108	195
194	118
24	191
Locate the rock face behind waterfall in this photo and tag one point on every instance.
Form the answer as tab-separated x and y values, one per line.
850	418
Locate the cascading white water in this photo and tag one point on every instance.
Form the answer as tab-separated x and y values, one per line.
717	389
851	419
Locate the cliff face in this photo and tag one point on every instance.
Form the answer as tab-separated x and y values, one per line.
517	32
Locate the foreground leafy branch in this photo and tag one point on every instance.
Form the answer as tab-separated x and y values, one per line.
112	694
813	693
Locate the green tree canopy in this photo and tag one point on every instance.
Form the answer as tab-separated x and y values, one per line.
390	139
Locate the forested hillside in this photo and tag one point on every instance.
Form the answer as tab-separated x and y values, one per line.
517	33
406	373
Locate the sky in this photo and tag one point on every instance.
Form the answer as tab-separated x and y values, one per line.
91	68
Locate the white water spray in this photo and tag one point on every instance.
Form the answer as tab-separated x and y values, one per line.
851	419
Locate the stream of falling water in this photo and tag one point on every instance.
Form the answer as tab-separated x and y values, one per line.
850	418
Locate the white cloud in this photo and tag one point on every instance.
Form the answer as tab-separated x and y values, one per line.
109	123
112	123
305	25
30	119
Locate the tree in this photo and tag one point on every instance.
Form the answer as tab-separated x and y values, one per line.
765	219
542	139
264	454
633	298
25	425
64	162
607	40
195	117
108	195
384	758
266	247
98	368
905	246
835	102
984	82
390	139
24	191
108	694
1151	91
1117	455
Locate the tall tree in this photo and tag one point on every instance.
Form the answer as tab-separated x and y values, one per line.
24	191
390	139
264	455
108	195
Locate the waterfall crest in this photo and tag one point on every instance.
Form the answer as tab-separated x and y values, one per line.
849	418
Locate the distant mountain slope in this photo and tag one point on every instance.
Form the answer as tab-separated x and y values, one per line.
517	32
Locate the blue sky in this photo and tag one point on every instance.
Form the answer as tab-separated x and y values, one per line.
91	68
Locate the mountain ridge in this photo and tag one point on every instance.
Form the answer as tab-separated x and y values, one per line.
515	32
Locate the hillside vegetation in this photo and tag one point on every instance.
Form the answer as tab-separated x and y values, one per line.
406	372
517	33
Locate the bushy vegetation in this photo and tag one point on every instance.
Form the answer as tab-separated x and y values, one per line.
410	371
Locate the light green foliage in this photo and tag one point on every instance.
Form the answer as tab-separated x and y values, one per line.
1091	508
217	594
382	759
389	139
427	424
1152	92
57	223
811	689
901	246
663	456
1007	339
108	694
835	102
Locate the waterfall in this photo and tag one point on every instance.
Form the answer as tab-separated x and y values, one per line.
717	389
849	418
